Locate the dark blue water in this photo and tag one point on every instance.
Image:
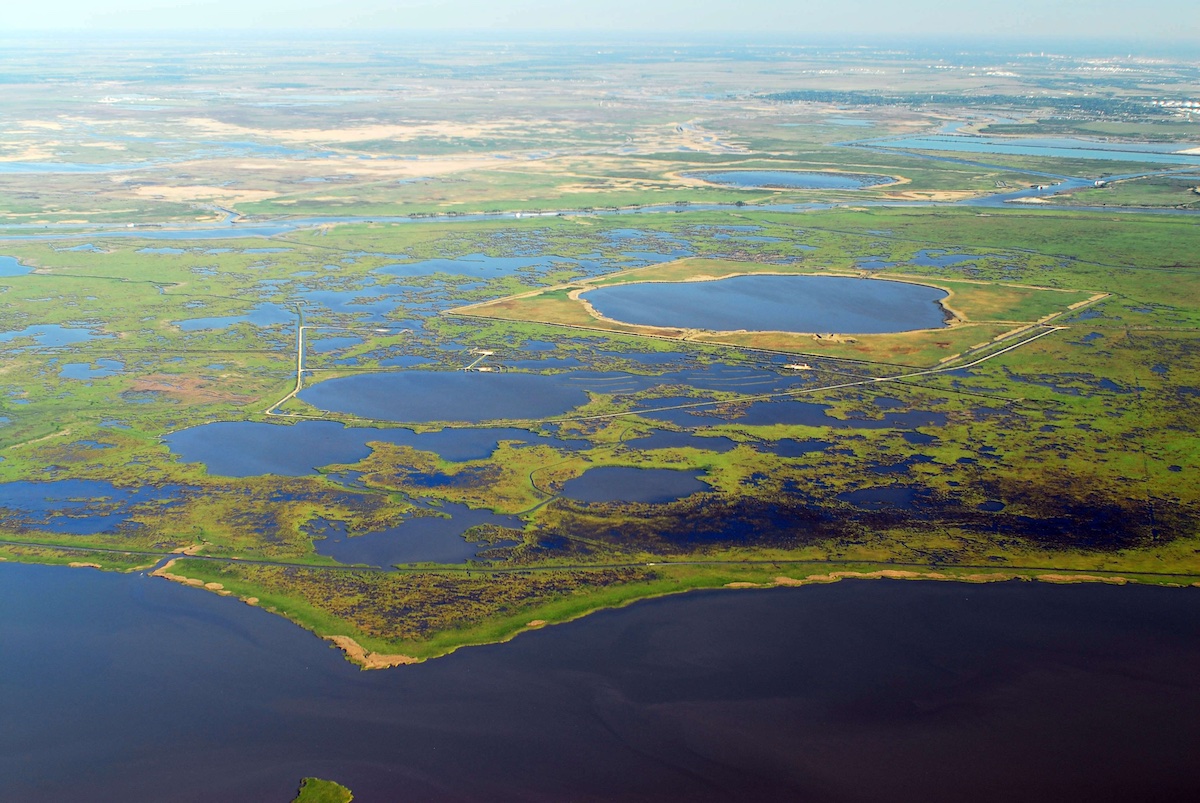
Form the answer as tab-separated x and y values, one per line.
790	447
248	448
790	179
424	539
447	396
77	507
790	412
117	687
627	484
665	439
823	304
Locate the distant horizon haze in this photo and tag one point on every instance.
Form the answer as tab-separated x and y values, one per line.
1164	21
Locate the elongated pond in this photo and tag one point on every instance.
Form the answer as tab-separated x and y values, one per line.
790	179
821	304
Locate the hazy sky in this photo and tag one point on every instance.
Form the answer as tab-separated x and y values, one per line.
1177	20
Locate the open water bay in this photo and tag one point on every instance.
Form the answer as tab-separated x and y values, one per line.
124	687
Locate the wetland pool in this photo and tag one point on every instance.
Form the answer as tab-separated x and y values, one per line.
127	687
630	484
789	179
820	304
420	539
420	395
250	448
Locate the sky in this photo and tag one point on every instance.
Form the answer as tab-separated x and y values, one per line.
1166	20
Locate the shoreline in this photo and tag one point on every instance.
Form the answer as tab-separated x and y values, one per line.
367	659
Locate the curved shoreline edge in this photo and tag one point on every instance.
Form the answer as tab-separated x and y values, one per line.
366	659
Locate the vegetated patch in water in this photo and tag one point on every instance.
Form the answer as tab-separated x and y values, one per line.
420	539
323	345
49	334
374	304
477	265
790	179
404	361
791	412
629	484
9	266
249	448
79	507
546	364
447	396
165	250
667	439
822	304
900	467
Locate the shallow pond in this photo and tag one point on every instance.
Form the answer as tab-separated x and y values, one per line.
447	396
82	370
666	439
822	304
789	179
248	448
77	507
9	266
49	334
628	484
261	315
792	413
422	539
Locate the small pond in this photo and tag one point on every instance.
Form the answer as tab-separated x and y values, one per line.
422	539
628	484
789	179
9	266
266	314
49	334
822	304
666	439
82	370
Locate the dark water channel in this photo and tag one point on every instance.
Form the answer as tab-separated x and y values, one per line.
116	687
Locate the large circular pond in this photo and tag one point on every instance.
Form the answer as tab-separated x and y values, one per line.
821	304
790	179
